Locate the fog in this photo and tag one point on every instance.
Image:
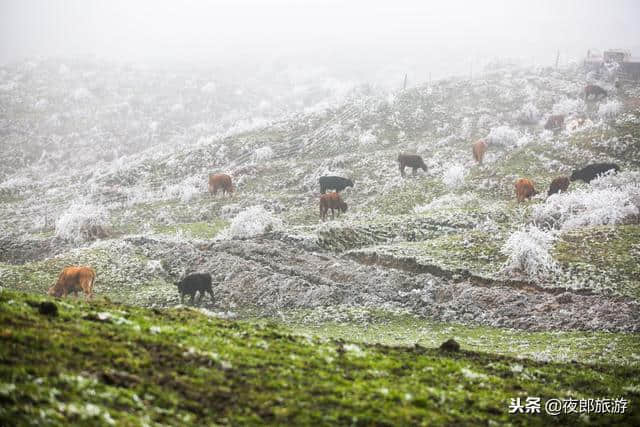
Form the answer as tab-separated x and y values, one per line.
361	40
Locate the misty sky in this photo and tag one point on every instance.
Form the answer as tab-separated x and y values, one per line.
357	34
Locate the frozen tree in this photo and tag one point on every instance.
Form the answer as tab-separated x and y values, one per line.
453	177
528	251
253	221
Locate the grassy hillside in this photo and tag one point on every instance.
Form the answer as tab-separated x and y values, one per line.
102	364
543	296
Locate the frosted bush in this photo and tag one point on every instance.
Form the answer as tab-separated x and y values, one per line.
622	180
177	108
453	177
41	104
569	106
81	222
524	140
528	251
262	154
609	109
81	93
209	87
253	221
186	190
529	114
503	135
8	87
16	183
367	138
579	208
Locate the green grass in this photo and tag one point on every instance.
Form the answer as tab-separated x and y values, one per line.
608	255
100	363
203	230
565	346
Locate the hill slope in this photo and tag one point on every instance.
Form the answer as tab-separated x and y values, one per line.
103	363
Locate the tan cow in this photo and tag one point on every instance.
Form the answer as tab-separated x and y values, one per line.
331	201
479	148
74	279
524	189
220	181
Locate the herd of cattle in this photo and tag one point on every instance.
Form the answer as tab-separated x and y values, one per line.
74	279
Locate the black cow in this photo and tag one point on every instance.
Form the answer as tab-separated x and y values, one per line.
595	91
411	160
559	184
337	183
192	283
590	172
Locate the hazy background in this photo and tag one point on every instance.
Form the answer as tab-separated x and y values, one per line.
355	40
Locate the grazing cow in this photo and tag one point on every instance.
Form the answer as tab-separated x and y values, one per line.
559	184
590	172
554	122
73	279
220	181
334	183
524	189
594	90
411	160
479	148
194	283
331	201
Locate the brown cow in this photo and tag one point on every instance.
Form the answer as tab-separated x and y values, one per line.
594	90
220	181
331	201
479	148
73	279
555	121
524	189
559	184
411	160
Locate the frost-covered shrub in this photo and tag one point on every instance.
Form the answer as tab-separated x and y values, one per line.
41	104
16	183
609	109
528	251
503	135
209	88
367	138
81	93
177	108
185	190
568	106
262	154
453	177
447	201
82	221
529	114
590	207
253	221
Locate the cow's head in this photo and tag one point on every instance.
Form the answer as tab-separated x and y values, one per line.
54	291
343	206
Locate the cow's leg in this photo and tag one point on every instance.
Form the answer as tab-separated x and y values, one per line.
210	292
414	171
181	298
402	170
